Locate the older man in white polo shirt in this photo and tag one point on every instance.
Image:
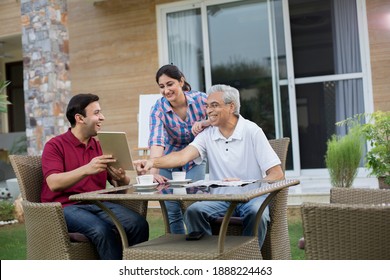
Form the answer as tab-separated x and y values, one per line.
235	148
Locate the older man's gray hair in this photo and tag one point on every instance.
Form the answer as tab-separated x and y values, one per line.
230	95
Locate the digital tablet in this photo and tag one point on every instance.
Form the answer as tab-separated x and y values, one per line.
115	144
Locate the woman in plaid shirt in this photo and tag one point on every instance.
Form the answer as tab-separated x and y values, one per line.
176	118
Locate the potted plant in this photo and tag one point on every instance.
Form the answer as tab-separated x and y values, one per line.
376	130
343	157
3	97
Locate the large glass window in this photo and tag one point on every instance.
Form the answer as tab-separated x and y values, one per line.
325	37
242	58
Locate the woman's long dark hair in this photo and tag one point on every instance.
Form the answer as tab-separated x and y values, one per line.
173	72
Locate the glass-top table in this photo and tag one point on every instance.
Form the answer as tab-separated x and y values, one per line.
162	192
165	192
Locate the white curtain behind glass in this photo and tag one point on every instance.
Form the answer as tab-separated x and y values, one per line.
185	44
349	93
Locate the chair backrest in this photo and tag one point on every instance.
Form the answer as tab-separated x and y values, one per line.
277	242
359	196
351	226
280	147
335	231
28	171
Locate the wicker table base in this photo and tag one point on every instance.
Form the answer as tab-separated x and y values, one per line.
176	247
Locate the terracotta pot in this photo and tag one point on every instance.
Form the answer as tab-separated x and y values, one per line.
382	184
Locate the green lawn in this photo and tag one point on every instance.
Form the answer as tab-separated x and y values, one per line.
295	231
13	242
13	237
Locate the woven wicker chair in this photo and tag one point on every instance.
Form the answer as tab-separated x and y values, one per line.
277	243
353	226
46	230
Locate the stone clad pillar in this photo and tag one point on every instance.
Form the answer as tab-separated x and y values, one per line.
45	70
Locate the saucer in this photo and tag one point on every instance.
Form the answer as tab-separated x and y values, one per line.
145	186
181	182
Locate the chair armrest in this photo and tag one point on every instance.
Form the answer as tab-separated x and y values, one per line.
277	241
45	227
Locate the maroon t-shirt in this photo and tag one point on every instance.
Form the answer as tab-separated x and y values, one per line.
65	153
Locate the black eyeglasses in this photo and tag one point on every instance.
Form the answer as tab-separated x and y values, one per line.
215	105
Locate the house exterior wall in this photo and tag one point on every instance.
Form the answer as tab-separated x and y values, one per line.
113	53
9	18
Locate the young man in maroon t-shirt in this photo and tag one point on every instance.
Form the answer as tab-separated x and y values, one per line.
73	163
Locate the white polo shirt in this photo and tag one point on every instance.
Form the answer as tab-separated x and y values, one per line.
246	154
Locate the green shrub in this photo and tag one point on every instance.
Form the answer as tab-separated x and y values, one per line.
376	130
343	157
6	210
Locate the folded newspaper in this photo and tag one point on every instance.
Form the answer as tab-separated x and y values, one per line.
207	183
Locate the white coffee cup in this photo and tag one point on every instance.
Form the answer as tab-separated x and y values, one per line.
178	176
145	179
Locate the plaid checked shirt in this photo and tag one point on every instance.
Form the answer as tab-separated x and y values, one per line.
168	130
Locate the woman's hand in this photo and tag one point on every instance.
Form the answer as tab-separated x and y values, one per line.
197	127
